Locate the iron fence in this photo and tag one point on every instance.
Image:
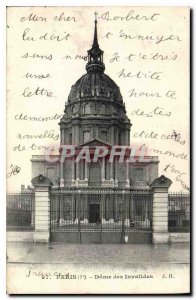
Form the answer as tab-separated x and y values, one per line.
84	210
20	211
179	212
100	210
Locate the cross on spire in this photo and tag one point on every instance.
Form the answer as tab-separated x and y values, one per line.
95	42
96	14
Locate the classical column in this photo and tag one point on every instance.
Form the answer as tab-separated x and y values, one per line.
160	188
116	172
112	135
77	172
61	174
73	134
127	175
128	135
62	136
42	208
103	170
86	171
97	131
111	172
82	166
126	138
116	134
91	132
73	171
77	134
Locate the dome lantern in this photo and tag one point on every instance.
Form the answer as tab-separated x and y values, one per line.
95	54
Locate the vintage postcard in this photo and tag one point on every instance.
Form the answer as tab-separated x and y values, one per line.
98	118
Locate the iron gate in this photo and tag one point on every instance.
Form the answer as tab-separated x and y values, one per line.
90	215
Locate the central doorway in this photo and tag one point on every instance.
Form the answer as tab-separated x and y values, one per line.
94	213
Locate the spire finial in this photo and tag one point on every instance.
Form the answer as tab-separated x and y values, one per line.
95	13
95	42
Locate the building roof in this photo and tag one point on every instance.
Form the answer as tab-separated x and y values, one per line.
95	83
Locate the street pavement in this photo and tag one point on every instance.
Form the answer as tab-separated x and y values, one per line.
97	268
97	253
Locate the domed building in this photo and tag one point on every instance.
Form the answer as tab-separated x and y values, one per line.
98	188
95	115
101	190
94	132
95	108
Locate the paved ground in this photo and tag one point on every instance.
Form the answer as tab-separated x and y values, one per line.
100	268
97	253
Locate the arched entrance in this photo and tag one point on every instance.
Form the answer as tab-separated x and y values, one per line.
95	174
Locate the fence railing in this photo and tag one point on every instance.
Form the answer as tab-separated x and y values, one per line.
179	212
100	210
20	211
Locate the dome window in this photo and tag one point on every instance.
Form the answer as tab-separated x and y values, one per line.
103	109
87	109
86	136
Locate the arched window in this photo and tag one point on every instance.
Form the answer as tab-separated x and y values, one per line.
102	109
88	109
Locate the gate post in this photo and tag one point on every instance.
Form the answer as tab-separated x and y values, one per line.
42	208
160	188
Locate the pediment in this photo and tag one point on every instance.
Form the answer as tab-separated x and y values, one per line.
95	142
